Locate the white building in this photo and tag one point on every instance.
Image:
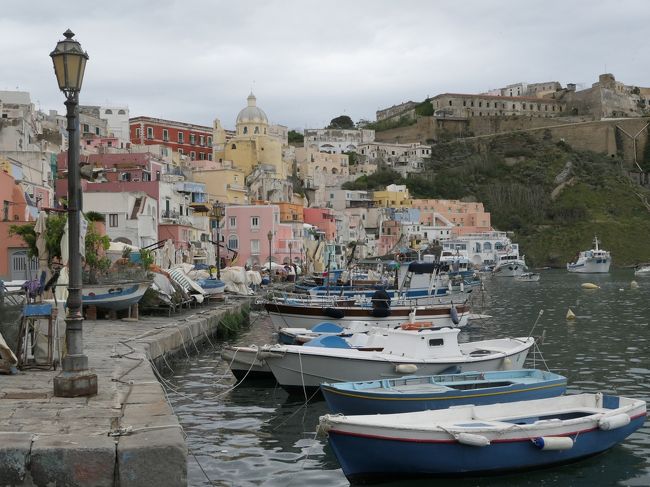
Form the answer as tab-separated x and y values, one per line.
117	122
336	141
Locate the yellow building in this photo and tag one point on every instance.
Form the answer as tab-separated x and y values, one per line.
252	145
224	184
395	196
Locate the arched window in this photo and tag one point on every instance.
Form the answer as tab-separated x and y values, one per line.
487	246
245	130
257	130
334	171
264	131
121	112
233	242
109	112
233	147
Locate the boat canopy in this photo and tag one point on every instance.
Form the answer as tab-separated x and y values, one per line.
423	267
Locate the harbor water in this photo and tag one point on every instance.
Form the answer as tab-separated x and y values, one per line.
256	434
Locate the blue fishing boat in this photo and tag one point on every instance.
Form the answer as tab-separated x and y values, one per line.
114	296
478	440
419	393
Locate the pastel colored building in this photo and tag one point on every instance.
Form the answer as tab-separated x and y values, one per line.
224	184
467	217
324	219
395	196
13	256
191	140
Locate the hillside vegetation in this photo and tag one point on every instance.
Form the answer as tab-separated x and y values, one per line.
554	199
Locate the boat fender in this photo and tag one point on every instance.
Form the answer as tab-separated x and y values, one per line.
454	315
570	315
550	443
612	422
334	313
472	439
406	368
507	363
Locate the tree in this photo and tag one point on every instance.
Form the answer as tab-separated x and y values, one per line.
341	122
296	137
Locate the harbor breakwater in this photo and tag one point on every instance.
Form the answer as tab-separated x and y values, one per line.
126	435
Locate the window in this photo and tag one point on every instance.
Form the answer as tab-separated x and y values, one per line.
210	157
149	132
137	133
209	140
232	223
233	147
180	151
257	130
121	112
201	156
192	139
245	130
181	138
165	135
202	140
255	222
255	247
192	155
112	220
86	128
108	112
233	242
449	102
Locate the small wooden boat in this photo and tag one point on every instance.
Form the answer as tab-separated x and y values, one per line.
528	277
478	440
114	296
419	393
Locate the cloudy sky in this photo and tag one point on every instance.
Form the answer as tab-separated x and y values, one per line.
306	61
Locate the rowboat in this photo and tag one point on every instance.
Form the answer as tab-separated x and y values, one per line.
114	296
419	393
479	440
403	352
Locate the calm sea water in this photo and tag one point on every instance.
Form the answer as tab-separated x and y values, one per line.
258	435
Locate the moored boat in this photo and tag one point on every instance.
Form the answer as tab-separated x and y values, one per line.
594	261
528	277
114	296
473	440
642	270
419	393
403	351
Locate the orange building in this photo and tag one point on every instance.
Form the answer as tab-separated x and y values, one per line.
14	212
466	217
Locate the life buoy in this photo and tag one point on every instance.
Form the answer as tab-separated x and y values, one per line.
420	325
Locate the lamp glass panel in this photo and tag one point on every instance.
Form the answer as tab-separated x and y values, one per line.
59	70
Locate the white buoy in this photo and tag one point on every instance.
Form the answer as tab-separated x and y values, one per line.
553	442
472	439
590	285
634	285
613	422
406	368
570	315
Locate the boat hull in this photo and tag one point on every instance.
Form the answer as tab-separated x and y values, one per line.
589	267
114	296
288	316
364	458
296	371
511	269
532	384
244	363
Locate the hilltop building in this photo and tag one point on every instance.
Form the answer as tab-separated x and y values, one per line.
186	139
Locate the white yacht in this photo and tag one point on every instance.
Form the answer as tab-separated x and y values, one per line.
591	261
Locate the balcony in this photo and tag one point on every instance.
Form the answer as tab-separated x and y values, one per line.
236	187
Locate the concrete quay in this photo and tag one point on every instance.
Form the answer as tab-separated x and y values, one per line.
126	435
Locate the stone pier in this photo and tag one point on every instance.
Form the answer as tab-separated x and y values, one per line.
125	436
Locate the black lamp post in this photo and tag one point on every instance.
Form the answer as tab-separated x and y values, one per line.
270	237
75	379
290	247
217	211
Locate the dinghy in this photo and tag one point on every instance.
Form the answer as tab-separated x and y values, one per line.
419	393
478	440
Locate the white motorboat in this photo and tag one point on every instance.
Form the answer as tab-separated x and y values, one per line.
594	261
642	270
528	277
509	264
403	351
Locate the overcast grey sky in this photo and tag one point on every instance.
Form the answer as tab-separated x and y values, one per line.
307	62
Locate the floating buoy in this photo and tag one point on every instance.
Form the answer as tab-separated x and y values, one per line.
553	442
634	285
590	285
406	368
613	422
570	315
471	439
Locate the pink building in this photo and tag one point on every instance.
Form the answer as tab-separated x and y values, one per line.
466	217
390	234
245	229
324	219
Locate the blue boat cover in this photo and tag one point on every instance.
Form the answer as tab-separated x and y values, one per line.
329	341
327	327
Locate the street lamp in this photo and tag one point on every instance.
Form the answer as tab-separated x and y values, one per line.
217	212
75	379
270	237
290	247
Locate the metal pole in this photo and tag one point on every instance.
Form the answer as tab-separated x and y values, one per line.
75	379
218	251
270	250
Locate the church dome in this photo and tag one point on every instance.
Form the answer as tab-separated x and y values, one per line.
252	113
